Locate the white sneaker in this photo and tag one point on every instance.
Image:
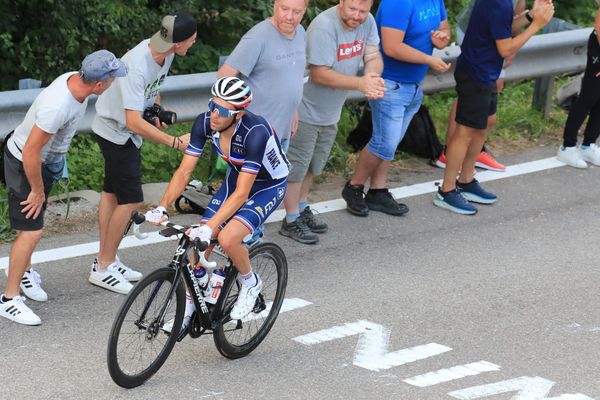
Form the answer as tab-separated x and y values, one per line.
17	311
571	156
31	285
109	278
168	327
246	300
590	154
128	273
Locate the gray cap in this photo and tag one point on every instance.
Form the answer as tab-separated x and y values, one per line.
174	29
101	65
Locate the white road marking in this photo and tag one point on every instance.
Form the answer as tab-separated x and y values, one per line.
372	348
323	207
451	374
528	388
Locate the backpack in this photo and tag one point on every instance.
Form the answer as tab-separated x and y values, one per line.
196	196
2	149
420	139
568	93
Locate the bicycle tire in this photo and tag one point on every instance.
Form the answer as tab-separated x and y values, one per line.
127	331
269	262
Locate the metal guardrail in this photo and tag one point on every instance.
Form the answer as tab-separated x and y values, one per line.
543	55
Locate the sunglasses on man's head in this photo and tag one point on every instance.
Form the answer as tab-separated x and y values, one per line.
222	111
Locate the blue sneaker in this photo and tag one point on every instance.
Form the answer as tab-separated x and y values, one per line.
474	192
454	202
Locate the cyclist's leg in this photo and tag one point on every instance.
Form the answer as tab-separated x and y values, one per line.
230	239
264	198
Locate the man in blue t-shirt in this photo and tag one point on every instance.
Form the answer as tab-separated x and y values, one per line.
409	29
488	41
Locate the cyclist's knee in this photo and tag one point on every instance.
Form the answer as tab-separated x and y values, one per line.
228	242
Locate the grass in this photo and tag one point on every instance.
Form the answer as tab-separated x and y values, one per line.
6	233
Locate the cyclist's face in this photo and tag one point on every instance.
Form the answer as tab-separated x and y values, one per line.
354	12
287	14
219	122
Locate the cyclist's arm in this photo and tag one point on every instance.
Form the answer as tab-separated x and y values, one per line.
234	201
180	178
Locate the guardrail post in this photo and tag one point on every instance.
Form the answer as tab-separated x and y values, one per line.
544	86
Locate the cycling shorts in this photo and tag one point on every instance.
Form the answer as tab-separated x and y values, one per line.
264	198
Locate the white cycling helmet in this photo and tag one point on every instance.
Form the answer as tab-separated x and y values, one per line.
233	90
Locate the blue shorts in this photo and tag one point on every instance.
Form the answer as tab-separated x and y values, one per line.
264	198
391	116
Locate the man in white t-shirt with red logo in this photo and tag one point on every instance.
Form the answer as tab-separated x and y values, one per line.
34	159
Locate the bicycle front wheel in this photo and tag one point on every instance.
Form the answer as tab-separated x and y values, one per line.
138	346
235	339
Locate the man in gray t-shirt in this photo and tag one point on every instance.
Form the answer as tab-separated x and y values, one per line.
340	39
119	126
271	58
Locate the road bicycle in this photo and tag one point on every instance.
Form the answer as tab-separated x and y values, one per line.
138	345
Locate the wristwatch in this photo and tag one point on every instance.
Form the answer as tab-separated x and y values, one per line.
528	16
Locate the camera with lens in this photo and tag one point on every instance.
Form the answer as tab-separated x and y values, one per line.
156	111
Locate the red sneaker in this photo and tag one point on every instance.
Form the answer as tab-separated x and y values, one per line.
486	161
441	161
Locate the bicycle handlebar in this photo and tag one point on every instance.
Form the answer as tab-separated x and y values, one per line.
137	219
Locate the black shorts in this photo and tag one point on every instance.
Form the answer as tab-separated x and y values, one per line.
476	100
18	190
122	171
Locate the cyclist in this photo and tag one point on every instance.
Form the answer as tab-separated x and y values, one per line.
254	186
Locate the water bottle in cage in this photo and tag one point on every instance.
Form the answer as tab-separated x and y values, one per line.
201	276
215	285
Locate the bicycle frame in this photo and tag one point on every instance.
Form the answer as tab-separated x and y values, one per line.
180	262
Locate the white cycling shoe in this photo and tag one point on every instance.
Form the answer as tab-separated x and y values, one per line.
246	300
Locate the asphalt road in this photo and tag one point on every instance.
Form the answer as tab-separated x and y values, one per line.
511	292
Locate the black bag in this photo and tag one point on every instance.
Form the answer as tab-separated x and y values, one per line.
196	196
2	149
421	137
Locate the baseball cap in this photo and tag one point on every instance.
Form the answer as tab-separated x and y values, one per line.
101	65
174	29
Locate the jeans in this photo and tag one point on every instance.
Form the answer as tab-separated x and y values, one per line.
391	117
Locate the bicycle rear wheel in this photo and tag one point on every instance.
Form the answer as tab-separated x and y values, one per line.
137	346
235	339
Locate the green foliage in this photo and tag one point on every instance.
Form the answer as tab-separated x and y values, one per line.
6	233
86	164
44	39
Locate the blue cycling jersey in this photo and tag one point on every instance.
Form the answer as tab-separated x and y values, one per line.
254	148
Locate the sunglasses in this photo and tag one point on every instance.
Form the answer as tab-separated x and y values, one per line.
222	111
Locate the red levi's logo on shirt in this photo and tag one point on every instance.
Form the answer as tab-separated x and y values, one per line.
350	50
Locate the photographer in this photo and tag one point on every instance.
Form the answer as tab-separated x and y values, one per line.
125	114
